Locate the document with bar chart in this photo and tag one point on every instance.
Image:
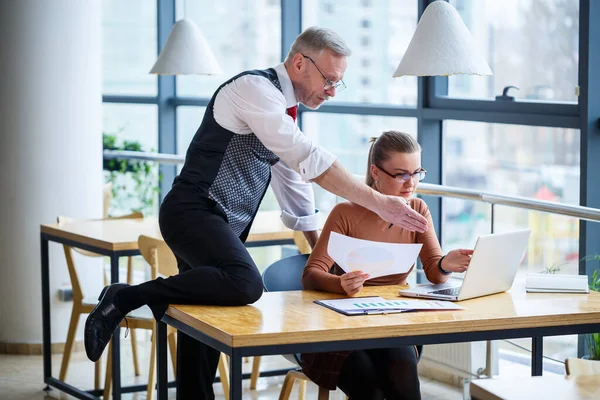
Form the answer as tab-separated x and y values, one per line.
379	305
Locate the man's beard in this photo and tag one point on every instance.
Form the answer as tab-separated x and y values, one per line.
300	95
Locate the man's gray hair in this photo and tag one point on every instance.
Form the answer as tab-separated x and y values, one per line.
314	40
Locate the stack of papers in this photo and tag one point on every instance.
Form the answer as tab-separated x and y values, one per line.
556	283
379	305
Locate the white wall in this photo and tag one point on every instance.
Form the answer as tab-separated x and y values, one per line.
50	148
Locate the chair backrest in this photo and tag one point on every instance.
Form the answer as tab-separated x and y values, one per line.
301	242
285	274
160	257
73	275
106	198
578	366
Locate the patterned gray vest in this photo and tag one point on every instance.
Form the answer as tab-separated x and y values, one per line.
233	170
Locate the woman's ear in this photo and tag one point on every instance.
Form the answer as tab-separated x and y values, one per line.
374	172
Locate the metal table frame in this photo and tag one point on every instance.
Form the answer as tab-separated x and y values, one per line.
236	353
114	256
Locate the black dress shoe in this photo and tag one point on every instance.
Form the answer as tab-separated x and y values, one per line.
102	322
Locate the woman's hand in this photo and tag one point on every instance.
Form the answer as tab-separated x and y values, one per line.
352	282
457	260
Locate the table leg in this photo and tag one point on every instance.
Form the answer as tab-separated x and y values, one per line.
116	344
46	311
161	359
537	352
235	375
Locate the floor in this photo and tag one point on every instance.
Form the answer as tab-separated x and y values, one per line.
21	378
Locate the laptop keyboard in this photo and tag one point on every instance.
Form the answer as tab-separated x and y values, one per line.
448	292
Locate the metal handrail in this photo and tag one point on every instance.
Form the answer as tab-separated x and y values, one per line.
581	212
450	191
143	156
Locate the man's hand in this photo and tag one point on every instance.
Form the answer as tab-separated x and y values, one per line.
457	260
395	210
352	282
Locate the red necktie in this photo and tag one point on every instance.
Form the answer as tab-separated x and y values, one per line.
293	112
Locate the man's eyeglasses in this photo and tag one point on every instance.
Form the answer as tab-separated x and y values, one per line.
404	177
329	84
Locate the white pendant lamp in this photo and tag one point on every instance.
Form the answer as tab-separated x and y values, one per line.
186	52
442	45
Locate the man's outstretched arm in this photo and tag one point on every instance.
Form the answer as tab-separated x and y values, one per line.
337	180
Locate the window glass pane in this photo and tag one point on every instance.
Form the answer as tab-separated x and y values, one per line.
129	47
132	127
529	44
188	121
347	137
242	34
535	162
378	33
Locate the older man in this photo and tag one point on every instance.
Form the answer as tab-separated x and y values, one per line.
248	139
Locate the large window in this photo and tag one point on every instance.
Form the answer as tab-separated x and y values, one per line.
242	34
498	147
529	44
378	33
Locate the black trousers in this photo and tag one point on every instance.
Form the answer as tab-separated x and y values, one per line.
379	374
215	268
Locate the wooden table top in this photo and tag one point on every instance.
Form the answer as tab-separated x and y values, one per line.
122	234
585	387
293	317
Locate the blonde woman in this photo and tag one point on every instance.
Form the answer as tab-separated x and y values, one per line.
394	168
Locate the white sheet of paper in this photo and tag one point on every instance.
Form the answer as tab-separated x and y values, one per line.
374	258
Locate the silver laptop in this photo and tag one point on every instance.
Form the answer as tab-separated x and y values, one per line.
492	269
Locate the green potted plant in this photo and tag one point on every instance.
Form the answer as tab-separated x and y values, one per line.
135	183
592	340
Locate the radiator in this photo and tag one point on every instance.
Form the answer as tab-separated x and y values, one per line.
453	363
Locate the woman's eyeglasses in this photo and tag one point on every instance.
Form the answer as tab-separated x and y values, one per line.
404	176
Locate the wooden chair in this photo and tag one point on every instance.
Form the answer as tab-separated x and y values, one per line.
301	242
82	305
304	248
106	198
577	366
